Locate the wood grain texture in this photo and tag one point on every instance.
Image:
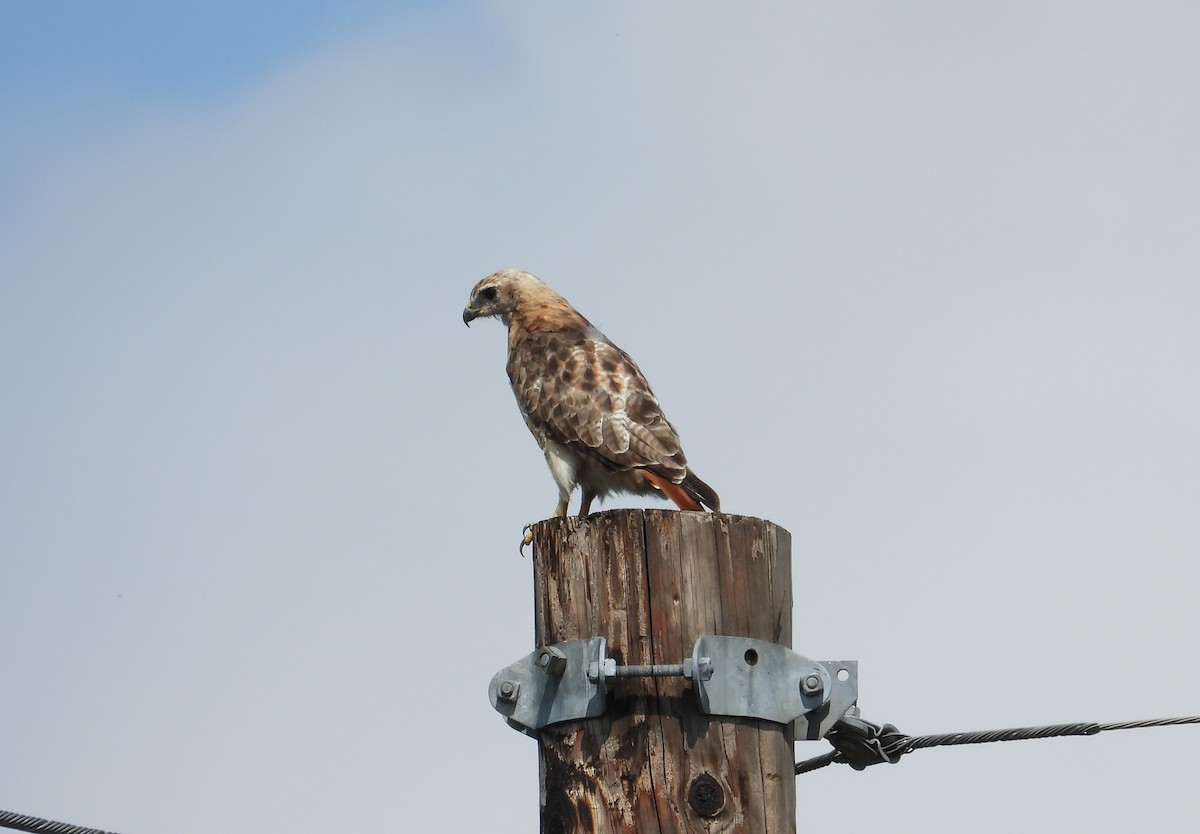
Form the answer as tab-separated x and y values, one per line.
651	582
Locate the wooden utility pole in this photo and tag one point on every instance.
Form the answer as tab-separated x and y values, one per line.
651	582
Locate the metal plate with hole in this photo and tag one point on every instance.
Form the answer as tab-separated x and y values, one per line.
844	675
758	679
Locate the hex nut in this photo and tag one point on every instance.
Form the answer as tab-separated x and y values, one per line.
552	661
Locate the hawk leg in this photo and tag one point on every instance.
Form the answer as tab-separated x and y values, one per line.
585	503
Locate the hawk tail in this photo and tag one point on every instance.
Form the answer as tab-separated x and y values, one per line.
689	494
701	492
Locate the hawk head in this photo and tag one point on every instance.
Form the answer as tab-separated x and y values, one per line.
497	295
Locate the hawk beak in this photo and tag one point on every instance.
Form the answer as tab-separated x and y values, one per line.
469	315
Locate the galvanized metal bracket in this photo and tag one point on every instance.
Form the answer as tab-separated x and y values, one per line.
759	679
843	675
551	685
734	676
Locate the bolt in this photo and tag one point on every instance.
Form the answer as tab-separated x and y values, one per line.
812	684
509	691
552	661
598	670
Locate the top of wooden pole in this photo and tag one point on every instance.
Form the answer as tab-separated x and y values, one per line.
716	572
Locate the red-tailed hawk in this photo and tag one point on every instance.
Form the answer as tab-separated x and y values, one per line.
584	399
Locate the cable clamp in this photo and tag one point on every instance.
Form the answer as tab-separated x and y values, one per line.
731	676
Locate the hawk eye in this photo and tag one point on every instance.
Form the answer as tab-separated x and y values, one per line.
488	294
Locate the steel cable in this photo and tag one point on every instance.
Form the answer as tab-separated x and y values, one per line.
23	822
863	744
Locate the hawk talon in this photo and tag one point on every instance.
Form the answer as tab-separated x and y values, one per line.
526	538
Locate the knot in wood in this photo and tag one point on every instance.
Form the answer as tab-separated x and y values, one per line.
558	815
706	796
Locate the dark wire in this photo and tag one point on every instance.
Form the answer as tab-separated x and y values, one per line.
888	745
22	822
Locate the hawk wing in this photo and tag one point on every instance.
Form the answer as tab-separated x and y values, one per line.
583	391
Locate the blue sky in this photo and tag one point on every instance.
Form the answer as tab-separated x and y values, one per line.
916	282
68	53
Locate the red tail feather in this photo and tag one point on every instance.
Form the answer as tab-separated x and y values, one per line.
673	491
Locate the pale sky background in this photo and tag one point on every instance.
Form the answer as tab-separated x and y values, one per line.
916	281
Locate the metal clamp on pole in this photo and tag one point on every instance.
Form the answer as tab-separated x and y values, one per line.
759	679
734	676
552	684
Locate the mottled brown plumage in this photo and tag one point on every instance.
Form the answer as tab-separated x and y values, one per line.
584	399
